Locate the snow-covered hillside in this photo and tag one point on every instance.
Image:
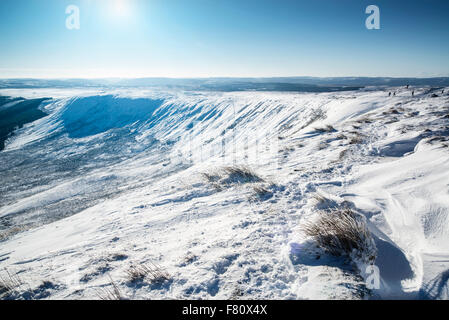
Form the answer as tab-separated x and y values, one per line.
207	194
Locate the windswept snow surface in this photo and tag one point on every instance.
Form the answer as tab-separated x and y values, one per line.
120	178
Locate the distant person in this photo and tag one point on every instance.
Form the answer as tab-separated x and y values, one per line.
407	86
442	91
394	93
413	93
389	94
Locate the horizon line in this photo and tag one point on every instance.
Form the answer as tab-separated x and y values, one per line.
221	77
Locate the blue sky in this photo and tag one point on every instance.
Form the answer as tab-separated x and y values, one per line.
211	38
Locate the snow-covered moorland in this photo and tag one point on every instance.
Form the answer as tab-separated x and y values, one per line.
244	195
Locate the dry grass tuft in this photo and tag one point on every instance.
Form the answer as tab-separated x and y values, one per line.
229	175
365	120
241	174
326	128
112	293
286	149
323	145
9	284
322	202
263	192
151	273
342	232
316	115
6	234
356	139
342	154
434	139
237	294
12	287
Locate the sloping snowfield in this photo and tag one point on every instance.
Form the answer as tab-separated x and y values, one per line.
169	195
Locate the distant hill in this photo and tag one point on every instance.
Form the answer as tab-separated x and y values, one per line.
297	84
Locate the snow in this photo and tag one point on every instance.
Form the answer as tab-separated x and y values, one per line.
126	187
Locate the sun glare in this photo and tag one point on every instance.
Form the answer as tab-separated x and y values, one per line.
121	8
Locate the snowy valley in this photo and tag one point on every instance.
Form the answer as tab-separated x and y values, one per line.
161	194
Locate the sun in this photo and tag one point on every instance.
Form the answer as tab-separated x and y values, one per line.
121	8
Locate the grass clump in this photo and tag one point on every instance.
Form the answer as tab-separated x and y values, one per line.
316	115
230	175
342	232
342	154
9	284
356	138
12	287
323	145
241	174
322	202
434	139
111	293
326	128
152	273
8	233
263	191
365	120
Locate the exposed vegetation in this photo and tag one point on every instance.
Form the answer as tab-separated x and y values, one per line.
230	175
150	273
6	234
111	293
9	284
263	192
326	128
342	154
342	232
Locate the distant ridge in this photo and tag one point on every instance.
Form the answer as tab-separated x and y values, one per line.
299	84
